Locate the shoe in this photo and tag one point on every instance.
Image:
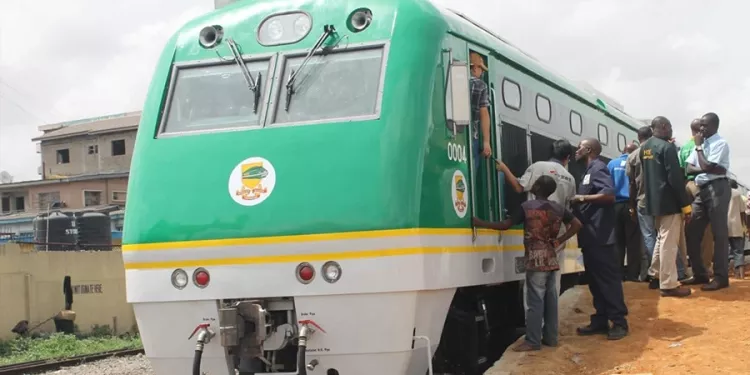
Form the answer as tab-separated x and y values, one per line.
524	347
683	278
696	280
676	292
653	284
714	285
617	333
590	330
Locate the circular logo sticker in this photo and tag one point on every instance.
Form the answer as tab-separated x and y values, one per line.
459	193
252	181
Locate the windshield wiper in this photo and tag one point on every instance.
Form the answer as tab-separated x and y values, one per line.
252	84
328	30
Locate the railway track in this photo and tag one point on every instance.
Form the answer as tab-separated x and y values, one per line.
55	364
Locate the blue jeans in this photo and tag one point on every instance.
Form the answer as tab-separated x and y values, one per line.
541	316
476	153
647	224
737	251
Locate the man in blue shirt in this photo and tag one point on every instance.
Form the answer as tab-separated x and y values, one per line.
595	209
709	162
627	232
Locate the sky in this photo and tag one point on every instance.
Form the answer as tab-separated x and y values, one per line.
675	58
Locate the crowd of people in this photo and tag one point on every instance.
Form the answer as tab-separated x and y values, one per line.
658	214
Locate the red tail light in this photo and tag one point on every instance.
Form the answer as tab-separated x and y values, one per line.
305	272
201	278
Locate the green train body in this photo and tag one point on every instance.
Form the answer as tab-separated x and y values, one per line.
363	171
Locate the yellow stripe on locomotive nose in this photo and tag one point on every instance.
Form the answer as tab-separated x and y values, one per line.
309	238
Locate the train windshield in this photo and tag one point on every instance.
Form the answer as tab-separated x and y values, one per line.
338	85
213	97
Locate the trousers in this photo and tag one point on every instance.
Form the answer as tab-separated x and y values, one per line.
605	284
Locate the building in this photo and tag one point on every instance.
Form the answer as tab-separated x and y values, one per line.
84	167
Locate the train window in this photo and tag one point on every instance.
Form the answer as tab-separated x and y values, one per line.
576	123
603	134
511	94
342	85
540	147
621	142
212	97
543	108
515	156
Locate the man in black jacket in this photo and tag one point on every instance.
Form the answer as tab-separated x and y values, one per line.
666	200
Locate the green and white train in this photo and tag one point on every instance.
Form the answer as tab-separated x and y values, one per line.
324	223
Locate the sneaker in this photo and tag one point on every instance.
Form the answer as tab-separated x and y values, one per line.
676	292
617	332
696	280
653	284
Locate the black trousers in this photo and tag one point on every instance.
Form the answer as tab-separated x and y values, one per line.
604	274
711	205
628	237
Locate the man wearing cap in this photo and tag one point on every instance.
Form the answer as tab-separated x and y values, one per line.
480	109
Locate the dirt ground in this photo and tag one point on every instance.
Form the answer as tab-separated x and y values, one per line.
706	333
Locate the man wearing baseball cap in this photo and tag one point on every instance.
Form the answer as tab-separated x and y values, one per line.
480	104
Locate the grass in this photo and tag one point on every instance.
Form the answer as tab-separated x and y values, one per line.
58	345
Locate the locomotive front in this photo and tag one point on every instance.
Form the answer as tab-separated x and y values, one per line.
260	217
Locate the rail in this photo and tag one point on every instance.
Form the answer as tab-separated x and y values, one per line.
55	364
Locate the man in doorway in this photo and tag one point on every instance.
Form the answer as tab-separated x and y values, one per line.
667	201
480	104
638	202
556	167
595	209
627	233
709	162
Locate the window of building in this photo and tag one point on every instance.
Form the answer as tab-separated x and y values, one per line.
20	204
93	149
119	196
576	123
63	156
511	94
543	108
5	205
118	147
46	200
92	198
603	134
621	142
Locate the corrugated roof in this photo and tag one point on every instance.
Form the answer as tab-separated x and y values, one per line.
106	124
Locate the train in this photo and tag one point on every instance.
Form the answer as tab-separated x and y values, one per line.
324	225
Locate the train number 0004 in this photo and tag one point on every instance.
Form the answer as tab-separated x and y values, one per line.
456	152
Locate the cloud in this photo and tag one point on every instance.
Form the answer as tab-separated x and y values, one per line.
81	58
677	58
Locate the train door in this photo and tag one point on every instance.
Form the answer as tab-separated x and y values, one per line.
483	179
514	139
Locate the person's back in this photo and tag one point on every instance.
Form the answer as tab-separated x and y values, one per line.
661	198
620	179
566	186
542	221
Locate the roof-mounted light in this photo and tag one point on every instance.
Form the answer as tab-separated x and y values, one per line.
284	28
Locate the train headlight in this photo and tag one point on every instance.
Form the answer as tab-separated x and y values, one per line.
179	278
284	28
331	272
359	20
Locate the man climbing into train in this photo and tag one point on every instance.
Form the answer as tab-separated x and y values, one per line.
480	109
542	220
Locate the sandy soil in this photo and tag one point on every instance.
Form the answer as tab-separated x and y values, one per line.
702	334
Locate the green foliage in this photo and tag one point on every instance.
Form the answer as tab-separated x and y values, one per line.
58	345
